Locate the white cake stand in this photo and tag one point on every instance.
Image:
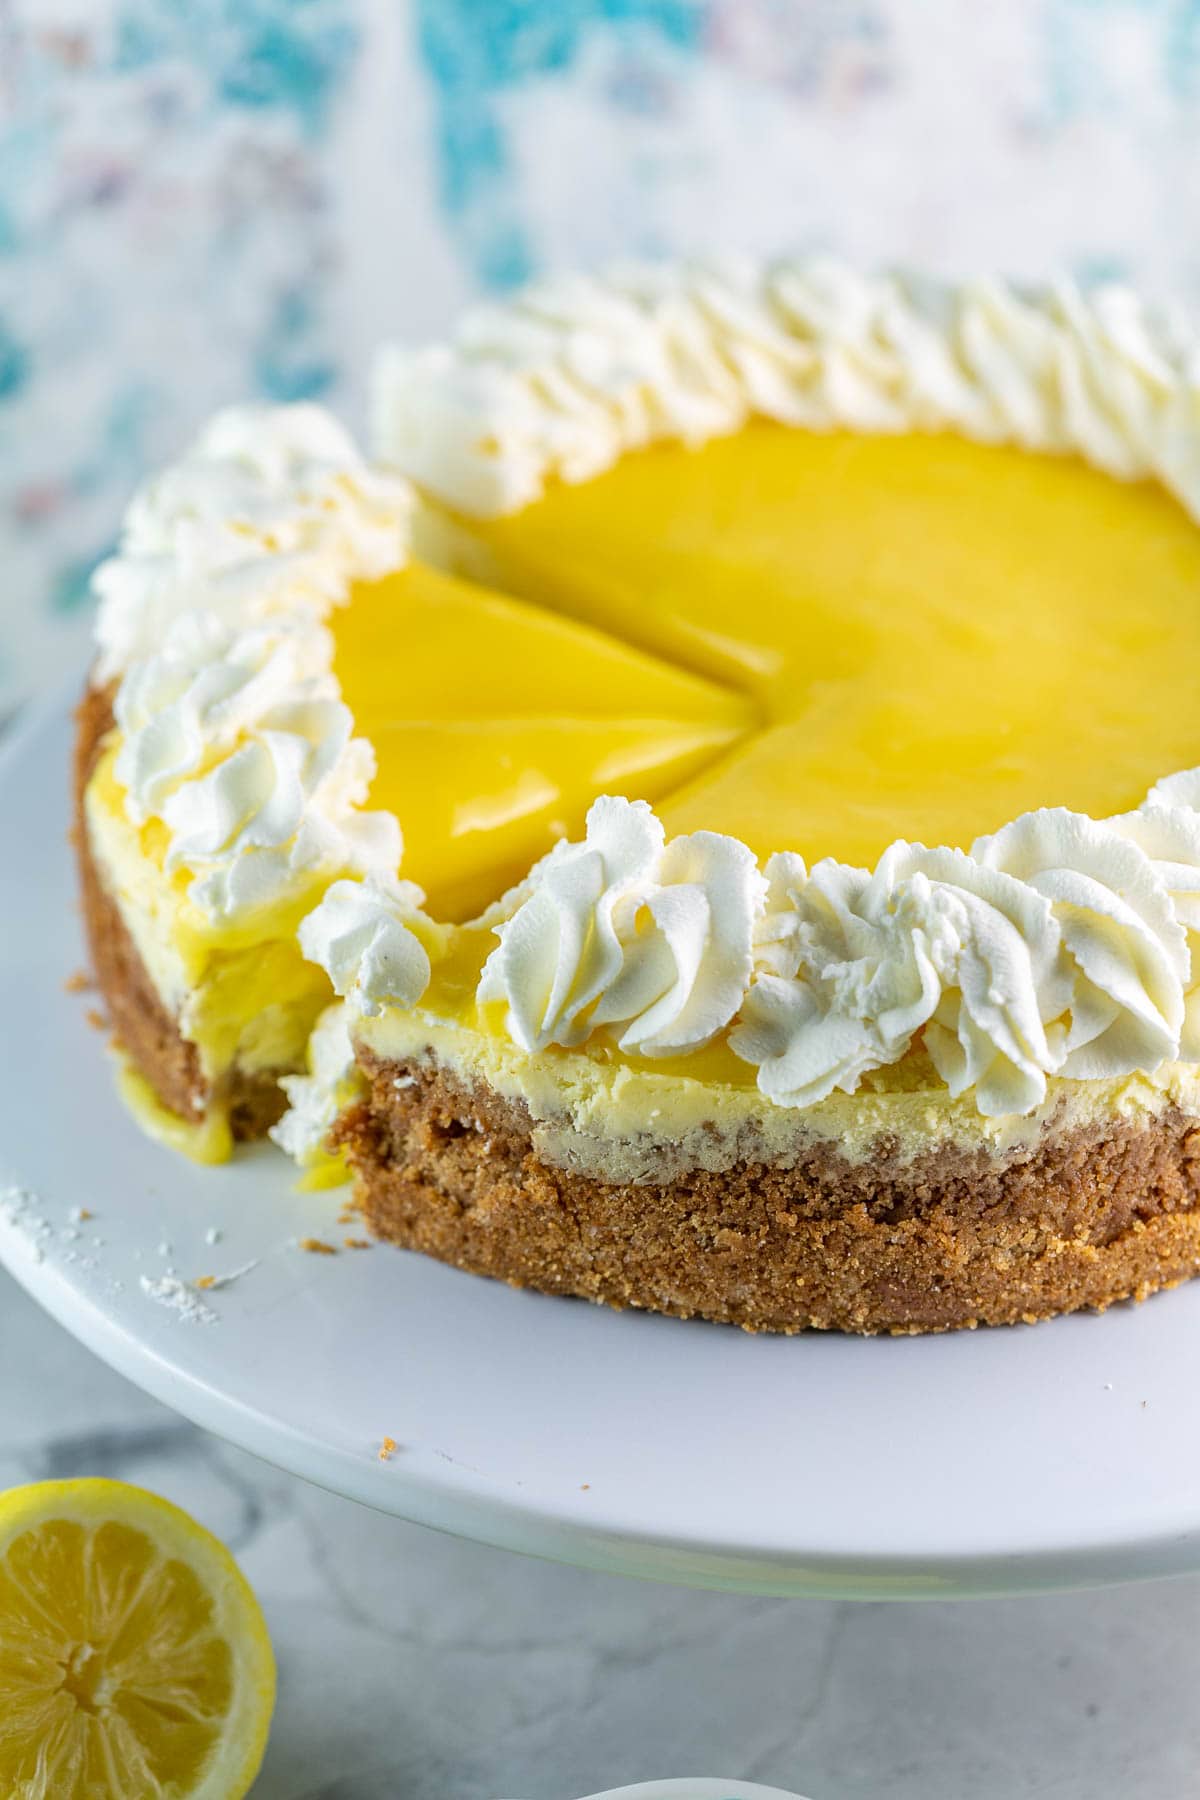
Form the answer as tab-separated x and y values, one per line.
979	1462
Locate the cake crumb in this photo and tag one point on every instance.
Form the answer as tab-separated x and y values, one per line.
212	1235
221	1281
78	983
79	1215
387	1449
176	1295
585	1487
317	1246
96	1019
357	1243
16	1207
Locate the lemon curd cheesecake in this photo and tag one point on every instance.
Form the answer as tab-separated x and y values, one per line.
707	818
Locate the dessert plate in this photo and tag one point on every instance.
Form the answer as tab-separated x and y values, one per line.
998	1460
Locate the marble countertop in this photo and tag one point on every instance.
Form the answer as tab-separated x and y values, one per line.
416	1667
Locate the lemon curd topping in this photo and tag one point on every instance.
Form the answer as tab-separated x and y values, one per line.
496	724
936	635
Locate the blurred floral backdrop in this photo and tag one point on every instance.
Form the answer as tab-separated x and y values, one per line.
202	200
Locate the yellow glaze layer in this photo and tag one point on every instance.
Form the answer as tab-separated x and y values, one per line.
496	724
939	635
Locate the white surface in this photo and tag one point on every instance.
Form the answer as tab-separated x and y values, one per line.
418	1667
916	1467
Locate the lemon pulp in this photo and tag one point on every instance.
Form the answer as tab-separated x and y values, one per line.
133	1657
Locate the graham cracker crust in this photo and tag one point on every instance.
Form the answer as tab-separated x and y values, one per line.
141	1024
955	1238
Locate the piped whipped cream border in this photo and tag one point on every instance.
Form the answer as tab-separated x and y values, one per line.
560	382
1059	946
233	731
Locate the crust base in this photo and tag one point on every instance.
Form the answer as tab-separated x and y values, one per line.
141	1024
953	1239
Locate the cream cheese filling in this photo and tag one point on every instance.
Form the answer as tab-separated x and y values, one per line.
619	1123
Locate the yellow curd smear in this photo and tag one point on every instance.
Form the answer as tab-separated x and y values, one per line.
938	635
242	991
206	1140
496	724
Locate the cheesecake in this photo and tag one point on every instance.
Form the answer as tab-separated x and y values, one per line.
705	817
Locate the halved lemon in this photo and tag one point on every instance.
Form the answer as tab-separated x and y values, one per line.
134	1659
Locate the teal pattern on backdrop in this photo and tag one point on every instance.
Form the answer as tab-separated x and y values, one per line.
478	50
166	242
210	200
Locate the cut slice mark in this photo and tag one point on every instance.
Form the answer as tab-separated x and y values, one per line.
495	724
